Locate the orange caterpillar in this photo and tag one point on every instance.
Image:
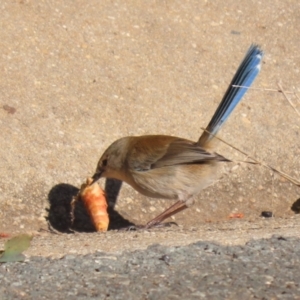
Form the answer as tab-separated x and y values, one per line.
95	203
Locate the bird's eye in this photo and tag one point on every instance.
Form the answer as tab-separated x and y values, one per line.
104	162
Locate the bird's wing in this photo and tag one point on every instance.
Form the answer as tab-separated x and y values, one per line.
169	151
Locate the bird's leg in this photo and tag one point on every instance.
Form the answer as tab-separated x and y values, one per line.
172	210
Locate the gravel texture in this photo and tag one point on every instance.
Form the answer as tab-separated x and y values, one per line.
262	269
77	75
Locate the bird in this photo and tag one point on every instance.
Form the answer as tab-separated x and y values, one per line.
170	167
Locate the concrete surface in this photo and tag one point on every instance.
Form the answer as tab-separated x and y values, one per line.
230	233
77	75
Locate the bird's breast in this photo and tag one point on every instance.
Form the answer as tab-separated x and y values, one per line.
174	182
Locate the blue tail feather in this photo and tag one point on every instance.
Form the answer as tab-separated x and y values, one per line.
243	78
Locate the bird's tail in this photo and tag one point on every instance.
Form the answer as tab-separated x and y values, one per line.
242	80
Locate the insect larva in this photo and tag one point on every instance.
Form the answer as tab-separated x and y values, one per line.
95	203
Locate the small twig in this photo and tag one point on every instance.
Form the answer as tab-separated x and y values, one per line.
297	97
72	204
273	191
51	229
286	176
291	103
262	89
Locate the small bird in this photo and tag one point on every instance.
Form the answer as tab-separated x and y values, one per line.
169	167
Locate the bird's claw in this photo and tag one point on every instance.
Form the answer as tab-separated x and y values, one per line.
160	225
147	226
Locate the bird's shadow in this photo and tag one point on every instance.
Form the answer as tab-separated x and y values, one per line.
296	206
59	212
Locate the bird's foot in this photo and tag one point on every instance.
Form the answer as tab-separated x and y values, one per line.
160	225
147	226
131	228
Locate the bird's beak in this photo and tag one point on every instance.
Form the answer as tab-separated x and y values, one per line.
96	177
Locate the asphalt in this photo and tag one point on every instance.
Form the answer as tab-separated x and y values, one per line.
261	269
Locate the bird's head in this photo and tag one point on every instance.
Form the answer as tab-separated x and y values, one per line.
112	162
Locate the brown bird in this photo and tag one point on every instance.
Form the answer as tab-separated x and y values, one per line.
168	167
